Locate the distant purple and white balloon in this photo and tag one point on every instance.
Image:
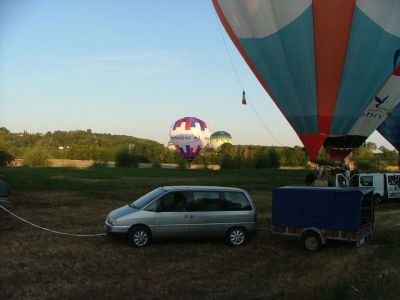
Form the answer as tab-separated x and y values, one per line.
190	135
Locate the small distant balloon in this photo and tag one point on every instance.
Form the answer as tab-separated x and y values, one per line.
190	135
219	138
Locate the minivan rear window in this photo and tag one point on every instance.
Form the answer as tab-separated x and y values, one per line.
206	201
236	201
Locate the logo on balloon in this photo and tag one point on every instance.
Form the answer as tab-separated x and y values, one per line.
188	138
380	101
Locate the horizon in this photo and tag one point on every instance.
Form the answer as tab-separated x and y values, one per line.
167	144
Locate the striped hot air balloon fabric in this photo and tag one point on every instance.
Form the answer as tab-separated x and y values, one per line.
189	135
219	138
390	128
377	111
321	61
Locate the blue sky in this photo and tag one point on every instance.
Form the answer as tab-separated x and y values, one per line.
128	67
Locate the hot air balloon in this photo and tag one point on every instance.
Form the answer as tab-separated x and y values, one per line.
321	61
219	138
390	128
388	97
189	135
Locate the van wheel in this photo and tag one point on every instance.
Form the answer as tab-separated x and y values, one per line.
377	199
236	236
311	240
139	236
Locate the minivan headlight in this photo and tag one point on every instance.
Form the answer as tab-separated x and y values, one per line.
112	220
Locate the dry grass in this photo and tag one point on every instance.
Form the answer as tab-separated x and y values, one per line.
38	265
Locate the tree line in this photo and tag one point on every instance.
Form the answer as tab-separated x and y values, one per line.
36	149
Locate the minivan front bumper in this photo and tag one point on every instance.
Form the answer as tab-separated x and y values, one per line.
115	229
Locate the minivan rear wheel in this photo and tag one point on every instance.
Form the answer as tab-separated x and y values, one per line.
236	236
139	236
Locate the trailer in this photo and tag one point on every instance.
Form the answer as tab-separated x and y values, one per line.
318	214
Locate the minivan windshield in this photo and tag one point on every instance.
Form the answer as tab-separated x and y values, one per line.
142	201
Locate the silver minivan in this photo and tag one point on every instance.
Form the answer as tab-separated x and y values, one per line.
179	211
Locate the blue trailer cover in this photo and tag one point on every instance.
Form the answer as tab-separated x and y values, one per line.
324	208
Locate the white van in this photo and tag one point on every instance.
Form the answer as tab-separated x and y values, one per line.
387	185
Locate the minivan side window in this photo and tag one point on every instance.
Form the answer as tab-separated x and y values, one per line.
236	201
172	202
206	201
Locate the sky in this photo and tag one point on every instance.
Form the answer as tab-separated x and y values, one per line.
129	67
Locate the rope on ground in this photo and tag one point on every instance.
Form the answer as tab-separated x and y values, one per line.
50	230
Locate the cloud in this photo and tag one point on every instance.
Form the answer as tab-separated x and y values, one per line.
141	63
130	57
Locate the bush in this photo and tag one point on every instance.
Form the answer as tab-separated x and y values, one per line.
227	162
99	164
36	157
156	164
5	158
182	163
143	159
126	159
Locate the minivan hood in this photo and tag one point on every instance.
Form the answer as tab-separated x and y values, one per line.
122	211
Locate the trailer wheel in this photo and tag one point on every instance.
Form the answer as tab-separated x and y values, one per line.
311	240
377	199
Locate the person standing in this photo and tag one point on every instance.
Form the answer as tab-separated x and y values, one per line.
6	221
4	191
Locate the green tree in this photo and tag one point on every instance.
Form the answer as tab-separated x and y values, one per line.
267	158
366	160
36	157
274	158
389	156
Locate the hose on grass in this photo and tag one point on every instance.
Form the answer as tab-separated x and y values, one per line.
50	230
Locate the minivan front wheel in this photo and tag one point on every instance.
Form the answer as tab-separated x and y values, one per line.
139	236
236	236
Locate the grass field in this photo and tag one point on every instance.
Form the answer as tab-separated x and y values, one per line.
37	265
